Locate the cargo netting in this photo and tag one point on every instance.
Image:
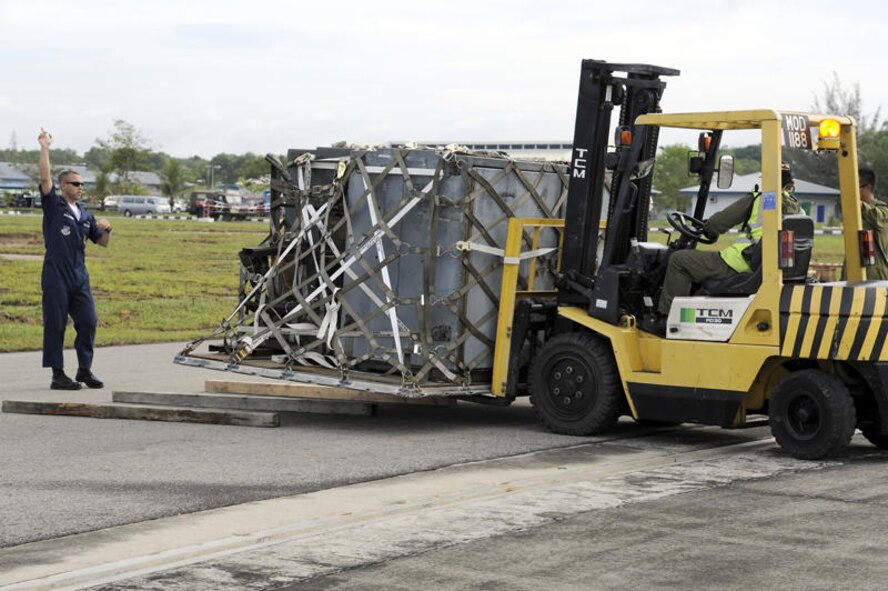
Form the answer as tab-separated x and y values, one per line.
382	267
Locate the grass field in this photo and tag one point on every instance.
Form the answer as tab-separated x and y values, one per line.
827	248
157	281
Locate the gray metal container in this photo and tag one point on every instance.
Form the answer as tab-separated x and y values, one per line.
445	298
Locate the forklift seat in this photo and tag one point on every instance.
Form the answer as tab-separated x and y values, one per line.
744	284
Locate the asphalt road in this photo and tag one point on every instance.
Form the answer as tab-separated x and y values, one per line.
705	509
64	475
824	529
686	507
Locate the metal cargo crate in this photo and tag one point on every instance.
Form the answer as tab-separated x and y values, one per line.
382	267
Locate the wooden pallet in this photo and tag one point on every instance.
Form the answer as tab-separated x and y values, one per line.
248	404
319	393
144	413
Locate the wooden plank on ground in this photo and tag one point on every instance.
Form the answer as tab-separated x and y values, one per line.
318	392
238	402
144	413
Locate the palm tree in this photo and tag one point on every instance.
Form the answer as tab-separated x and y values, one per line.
173	183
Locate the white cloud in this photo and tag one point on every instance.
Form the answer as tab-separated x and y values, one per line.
205	77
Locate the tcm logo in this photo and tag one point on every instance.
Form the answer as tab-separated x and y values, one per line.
707	315
579	163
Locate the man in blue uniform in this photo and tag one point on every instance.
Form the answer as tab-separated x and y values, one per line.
65	282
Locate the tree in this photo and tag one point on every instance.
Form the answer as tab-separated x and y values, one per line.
670	175
839	100
103	185
173	181
127	149
237	166
820	167
873	153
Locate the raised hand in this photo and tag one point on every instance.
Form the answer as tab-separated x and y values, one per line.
45	138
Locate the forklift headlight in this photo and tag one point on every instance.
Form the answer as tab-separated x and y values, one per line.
829	132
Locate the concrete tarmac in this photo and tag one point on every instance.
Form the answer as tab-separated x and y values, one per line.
808	530
608	515
465	498
67	475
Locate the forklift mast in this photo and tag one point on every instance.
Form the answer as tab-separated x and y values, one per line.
585	282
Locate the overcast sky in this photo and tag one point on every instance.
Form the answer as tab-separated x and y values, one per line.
203	77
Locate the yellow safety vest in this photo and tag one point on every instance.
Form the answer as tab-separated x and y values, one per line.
733	255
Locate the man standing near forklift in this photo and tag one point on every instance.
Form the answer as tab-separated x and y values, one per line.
65	281
875	218
689	266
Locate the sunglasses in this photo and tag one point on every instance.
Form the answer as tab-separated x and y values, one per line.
75	184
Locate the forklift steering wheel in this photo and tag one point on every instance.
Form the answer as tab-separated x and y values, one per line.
689	227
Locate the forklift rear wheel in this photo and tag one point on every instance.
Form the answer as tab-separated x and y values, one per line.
575	386
812	414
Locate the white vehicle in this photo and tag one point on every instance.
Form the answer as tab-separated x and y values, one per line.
131	205
111	203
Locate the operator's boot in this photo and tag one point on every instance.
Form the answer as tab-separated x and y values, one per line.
62	382
654	324
89	378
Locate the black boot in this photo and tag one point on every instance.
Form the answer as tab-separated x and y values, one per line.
87	377
62	382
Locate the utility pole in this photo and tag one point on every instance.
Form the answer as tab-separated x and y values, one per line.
212	168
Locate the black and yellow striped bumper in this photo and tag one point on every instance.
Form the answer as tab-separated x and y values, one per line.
841	322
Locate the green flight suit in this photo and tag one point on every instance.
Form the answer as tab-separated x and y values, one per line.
875	218
687	267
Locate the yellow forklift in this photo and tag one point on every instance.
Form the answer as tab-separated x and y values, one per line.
774	341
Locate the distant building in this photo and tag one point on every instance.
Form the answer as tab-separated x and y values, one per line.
13	179
148	180
818	201
557	150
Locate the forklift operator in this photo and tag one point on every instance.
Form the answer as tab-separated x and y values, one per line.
687	267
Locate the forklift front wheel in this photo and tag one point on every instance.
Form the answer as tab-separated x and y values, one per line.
575	385
812	414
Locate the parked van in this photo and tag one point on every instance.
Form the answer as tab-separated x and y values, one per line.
130	205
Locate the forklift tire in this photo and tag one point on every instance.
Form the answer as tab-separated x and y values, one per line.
812	414
575	386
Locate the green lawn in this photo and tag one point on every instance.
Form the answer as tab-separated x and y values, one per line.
157	281
828	248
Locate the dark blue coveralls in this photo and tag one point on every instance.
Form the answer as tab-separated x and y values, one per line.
65	281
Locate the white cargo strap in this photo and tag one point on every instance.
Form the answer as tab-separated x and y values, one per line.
330	323
331	244
308	358
311	357
392	312
344	266
466	246
303	173
441	367
315	219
